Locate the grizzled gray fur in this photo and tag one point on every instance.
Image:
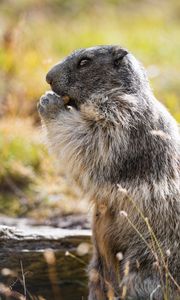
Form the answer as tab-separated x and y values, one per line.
123	147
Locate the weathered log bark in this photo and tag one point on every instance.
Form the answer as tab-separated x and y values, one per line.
44	262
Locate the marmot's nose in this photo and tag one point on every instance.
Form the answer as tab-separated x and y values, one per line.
53	73
49	77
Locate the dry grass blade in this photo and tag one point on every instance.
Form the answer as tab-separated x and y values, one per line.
23	279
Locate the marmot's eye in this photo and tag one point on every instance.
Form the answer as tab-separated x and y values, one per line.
84	61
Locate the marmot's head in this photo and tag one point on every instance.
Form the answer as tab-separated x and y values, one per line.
97	70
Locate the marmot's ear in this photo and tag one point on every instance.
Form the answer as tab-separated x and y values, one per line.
118	55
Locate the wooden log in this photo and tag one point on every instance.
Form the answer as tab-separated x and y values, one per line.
52	262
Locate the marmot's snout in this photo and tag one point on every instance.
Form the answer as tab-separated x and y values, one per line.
52	74
49	78
57	79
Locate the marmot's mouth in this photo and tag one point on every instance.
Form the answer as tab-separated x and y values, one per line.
69	102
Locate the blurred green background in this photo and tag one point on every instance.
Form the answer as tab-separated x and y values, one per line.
35	34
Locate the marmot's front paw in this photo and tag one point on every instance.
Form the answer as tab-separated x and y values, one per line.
50	105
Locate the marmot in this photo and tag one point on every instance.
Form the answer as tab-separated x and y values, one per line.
104	123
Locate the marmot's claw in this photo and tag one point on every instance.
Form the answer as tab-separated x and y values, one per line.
50	105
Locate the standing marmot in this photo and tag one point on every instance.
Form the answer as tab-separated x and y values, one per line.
123	147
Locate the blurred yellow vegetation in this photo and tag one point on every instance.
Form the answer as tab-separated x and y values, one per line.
36	34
